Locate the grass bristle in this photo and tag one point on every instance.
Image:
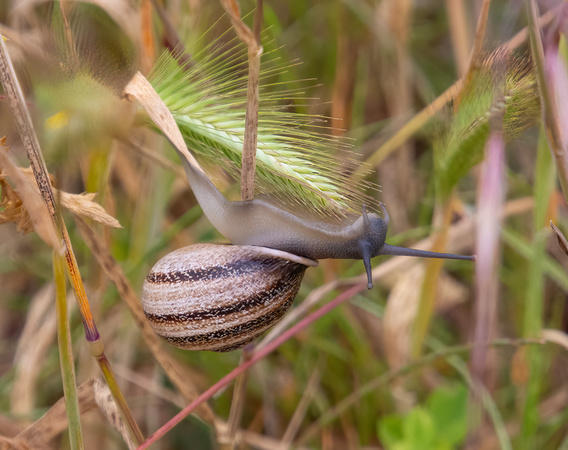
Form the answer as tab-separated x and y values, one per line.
298	160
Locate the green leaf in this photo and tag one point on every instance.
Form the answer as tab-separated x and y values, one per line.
448	407
419	429
390	430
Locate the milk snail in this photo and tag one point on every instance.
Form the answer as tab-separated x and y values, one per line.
222	297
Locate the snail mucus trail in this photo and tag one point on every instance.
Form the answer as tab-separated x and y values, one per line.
222	297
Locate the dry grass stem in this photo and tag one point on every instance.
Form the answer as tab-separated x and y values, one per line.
476	57
105	401
239	400
252	41
460	31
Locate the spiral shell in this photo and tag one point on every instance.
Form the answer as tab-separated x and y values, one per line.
220	297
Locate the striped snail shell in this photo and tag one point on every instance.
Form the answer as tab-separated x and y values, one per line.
220	297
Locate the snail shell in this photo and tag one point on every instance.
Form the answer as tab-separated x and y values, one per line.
220	297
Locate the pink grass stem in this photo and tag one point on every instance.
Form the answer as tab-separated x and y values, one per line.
304	323
490	204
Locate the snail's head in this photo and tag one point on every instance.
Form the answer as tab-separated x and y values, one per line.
373	243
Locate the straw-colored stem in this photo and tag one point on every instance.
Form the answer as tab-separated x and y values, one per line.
477	50
460	33
252	41
248	167
134	432
31	145
475	59
66	355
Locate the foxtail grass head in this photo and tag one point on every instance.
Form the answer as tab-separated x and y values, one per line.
296	161
503	88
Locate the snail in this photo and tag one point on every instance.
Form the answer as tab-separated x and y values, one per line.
220	297
199	297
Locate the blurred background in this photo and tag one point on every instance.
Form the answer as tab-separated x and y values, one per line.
363	376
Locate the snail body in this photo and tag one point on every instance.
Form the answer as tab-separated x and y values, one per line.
257	222
220	297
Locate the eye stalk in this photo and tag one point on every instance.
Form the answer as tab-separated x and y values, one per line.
387	249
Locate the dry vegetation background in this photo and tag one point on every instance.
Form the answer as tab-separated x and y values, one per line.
391	368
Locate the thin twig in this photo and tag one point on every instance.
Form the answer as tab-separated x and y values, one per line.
239	397
248	165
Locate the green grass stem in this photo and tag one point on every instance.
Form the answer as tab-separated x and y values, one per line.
66	355
533	312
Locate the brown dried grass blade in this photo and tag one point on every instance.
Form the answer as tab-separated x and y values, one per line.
54	421
106	404
82	205
252	40
31	200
